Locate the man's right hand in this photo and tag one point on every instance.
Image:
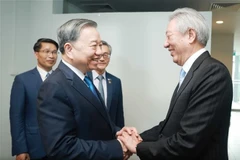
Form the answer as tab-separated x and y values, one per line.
23	156
131	131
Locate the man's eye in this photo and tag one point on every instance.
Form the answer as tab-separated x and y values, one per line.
168	36
94	46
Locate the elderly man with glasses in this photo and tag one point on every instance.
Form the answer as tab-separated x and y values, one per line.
109	86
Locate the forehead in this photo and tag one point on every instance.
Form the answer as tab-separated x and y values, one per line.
105	48
89	34
172	26
47	45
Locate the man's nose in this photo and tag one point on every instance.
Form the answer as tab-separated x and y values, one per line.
50	55
166	44
99	50
101	58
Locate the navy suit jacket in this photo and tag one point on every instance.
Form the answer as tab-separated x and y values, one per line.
197	123
114	99
73	123
23	115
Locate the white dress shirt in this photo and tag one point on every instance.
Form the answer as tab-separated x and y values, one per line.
75	70
43	73
188	64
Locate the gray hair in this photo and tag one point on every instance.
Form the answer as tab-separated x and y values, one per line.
188	18
108	45
70	31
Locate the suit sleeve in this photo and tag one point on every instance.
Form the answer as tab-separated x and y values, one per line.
17	106
152	134
209	100
58	129
120	113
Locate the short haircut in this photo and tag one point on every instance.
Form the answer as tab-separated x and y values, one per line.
108	45
70	31
38	45
188	18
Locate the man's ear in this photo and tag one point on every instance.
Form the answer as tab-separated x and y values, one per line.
68	50
192	35
36	54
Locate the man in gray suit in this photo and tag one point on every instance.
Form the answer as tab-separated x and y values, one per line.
109	86
197	123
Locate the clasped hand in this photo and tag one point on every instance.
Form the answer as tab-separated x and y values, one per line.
129	139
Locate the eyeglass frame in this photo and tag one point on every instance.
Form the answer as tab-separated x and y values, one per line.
47	52
105	56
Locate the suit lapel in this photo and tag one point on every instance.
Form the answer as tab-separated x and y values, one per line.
89	74
82	89
109	90
187	79
190	73
174	96
37	78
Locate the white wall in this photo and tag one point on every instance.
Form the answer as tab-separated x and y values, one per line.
7	48
146	69
222	48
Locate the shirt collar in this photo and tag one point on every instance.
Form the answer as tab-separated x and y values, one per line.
43	72
75	70
95	75
188	64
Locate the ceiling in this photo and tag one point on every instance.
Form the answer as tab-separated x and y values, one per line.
137	5
230	16
226	10
147	5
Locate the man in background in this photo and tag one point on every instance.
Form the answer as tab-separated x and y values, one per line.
73	120
26	140
197	123
109	86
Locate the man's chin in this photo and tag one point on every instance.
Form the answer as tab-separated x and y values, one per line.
100	68
92	67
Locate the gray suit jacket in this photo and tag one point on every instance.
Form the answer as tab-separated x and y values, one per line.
197	123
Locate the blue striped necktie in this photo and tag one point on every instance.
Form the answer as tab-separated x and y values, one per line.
47	74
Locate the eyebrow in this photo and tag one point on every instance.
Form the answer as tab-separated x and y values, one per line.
95	41
168	32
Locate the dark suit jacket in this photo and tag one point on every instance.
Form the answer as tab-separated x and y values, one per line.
23	115
73	123
197	123
114	99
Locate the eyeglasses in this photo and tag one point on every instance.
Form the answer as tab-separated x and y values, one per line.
48	52
105	56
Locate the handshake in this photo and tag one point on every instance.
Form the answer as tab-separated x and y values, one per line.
129	139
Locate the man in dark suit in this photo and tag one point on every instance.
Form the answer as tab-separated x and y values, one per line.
73	120
109	86
197	123
26	140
